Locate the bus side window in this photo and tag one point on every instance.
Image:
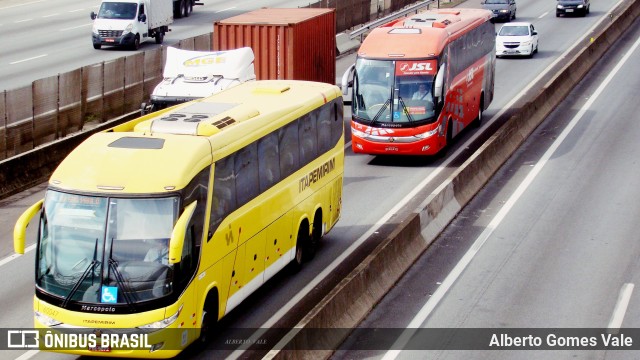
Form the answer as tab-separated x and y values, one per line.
224	192
269	161
289	152
308	139
324	119
246	173
337	125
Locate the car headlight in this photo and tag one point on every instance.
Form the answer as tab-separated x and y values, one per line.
127	29
95	30
504	11
560	6
528	42
46	320
162	323
580	6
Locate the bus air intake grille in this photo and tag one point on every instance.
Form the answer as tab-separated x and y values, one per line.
226	121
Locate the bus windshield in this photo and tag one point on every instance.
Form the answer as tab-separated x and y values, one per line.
105	250
387	91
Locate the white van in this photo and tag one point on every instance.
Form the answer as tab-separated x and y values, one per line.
128	23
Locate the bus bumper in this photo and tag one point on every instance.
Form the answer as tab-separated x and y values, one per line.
428	146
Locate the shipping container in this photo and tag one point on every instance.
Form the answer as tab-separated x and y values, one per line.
293	44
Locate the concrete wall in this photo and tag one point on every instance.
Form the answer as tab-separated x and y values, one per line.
348	304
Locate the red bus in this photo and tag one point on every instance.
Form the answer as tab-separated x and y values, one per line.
419	80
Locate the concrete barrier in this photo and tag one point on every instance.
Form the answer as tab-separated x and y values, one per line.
346	45
349	302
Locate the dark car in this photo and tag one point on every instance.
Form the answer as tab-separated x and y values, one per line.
572	7
504	10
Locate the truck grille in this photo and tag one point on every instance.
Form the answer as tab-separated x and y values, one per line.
110	33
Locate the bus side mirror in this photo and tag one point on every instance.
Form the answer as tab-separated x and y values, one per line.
178	234
20	229
347	82
437	91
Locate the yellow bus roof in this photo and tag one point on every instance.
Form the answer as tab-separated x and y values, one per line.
422	35
163	151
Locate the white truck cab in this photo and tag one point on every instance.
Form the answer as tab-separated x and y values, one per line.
128	23
190	75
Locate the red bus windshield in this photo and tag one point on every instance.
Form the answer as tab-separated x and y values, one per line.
398	92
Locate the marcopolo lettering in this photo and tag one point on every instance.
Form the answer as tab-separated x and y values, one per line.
316	174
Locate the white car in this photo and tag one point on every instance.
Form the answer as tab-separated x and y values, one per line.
516	39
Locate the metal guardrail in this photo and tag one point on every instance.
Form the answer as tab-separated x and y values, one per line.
374	24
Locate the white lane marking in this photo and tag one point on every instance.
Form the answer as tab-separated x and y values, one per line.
76	10
28	355
12	257
23	4
31	58
543	15
433	301
227	9
76	27
50	15
21	21
621	306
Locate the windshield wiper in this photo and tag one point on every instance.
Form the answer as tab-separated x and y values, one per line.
84	275
113	265
404	109
375	118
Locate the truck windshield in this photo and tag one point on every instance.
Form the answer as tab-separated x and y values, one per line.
383	95
105	250
117	10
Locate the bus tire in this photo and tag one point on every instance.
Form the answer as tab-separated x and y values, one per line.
209	318
316	231
478	120
299	258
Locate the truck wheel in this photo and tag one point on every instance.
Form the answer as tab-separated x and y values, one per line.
136	43
159	37
177	8
188	7
97	46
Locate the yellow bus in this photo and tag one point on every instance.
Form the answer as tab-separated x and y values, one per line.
164	224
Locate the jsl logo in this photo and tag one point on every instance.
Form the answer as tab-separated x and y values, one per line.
416	67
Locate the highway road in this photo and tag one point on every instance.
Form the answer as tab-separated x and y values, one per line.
41	38
376	193
550	242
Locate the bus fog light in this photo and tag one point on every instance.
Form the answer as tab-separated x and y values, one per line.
359	146
156	347
425	148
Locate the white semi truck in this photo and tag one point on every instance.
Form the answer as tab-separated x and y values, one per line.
190	75
128	23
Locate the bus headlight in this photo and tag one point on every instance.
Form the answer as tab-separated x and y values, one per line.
358	133
162	323
427	134
46	320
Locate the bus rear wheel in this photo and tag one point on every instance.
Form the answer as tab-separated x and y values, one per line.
302	247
